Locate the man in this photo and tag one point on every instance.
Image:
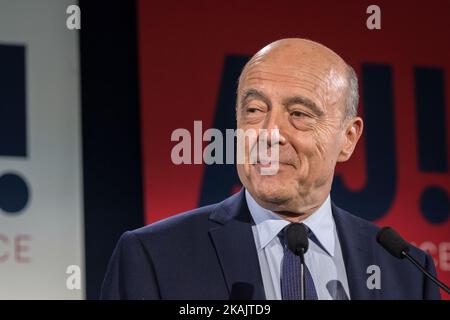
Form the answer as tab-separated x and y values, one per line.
236	249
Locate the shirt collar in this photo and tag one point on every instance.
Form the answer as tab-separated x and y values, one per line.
269	224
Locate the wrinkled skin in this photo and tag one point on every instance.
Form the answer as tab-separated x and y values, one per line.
300	88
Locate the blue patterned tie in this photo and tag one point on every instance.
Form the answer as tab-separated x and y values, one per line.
290	274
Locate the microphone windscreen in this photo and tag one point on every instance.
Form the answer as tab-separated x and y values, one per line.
390	240
297	238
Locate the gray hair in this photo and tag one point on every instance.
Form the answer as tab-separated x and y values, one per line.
352	99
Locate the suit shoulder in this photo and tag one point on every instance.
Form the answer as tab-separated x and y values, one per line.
188	220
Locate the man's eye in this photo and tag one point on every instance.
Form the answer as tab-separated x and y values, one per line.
253	110
298	114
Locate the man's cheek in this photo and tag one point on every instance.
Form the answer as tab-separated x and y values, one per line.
308	148
321	143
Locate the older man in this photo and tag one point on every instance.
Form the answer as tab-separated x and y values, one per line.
236	249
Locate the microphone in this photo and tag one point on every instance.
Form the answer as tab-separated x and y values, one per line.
390	240
297	242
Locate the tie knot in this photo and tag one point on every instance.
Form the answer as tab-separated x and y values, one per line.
282	235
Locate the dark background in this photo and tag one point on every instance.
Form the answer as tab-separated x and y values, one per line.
111	131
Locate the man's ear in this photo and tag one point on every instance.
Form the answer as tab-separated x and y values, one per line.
353	130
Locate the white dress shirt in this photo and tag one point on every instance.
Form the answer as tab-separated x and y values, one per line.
323	259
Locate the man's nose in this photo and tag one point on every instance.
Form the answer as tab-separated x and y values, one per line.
274	127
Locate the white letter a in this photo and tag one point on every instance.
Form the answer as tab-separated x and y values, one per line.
374	20
74	20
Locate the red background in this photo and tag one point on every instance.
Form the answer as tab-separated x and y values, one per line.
181	54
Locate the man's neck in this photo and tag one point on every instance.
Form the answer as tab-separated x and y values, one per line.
297	215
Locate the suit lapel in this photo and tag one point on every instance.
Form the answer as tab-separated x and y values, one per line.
355	245
235	247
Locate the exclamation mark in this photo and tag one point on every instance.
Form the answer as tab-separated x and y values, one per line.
432	144
14	191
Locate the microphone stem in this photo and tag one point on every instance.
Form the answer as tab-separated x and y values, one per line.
429	275
302	276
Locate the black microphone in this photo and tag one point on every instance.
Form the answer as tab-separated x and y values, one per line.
390	240
297	242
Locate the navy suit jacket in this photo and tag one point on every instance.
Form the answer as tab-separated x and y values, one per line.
210	253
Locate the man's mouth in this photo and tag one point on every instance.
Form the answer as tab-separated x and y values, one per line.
268	164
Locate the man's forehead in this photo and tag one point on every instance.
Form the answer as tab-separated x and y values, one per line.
298	65
287	73
323	85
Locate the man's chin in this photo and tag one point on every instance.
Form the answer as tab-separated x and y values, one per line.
271	192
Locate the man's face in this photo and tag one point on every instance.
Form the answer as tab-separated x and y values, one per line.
305	101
